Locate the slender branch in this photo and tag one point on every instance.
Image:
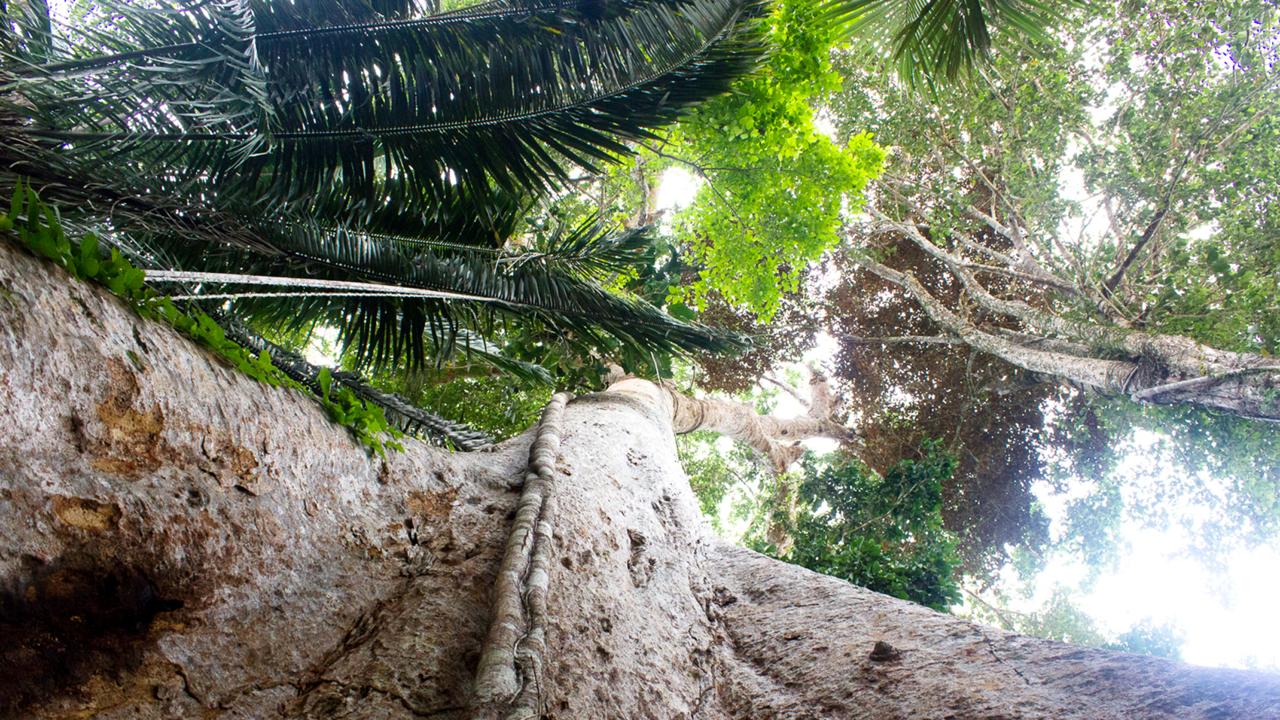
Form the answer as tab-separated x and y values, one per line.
1109	287
901	340
180	276
702	172
1193	155
1049	281
1152	393
998	611
787	388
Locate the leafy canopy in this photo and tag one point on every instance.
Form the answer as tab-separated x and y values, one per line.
776	185
376	156
881	532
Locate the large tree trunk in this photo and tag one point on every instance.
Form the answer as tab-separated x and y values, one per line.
182	542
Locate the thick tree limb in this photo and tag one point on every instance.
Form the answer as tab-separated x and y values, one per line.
1238	383
777	439
1043	321
900	340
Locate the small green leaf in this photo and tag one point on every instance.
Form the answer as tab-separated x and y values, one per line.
325	380
16	202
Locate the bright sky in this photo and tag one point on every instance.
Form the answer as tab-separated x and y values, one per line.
1227	618
676	189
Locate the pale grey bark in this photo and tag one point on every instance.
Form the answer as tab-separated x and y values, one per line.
1113	360
179	541
518	627
777	439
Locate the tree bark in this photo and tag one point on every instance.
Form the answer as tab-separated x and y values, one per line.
180	541
1146	367
778	440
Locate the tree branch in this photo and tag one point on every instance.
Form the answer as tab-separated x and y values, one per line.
901	340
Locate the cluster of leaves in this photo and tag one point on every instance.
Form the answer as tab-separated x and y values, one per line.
37	226
730	485
1193	153
784	339
494	403
1168	133
947	39
775	184
883	532
365	419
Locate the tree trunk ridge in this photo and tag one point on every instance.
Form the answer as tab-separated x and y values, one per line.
181	541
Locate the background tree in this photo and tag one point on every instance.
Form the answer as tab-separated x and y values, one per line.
982	197
1013	204
881	532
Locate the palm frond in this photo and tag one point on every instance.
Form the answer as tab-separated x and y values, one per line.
407	111
471	289
407	417
374	144
589	251
931	40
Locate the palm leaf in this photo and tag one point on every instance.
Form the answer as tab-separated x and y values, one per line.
374	144
931	40
546	287
407	417
405	111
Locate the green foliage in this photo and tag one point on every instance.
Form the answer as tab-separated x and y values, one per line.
775	184
365	419
1214	475
881	532
1151	135
1148	638
1201	139
1059	618
728	484
498	404
370	143
39	228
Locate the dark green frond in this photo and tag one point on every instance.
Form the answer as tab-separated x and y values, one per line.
407	417
943	39
590	251
367	141
406	111
536	287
